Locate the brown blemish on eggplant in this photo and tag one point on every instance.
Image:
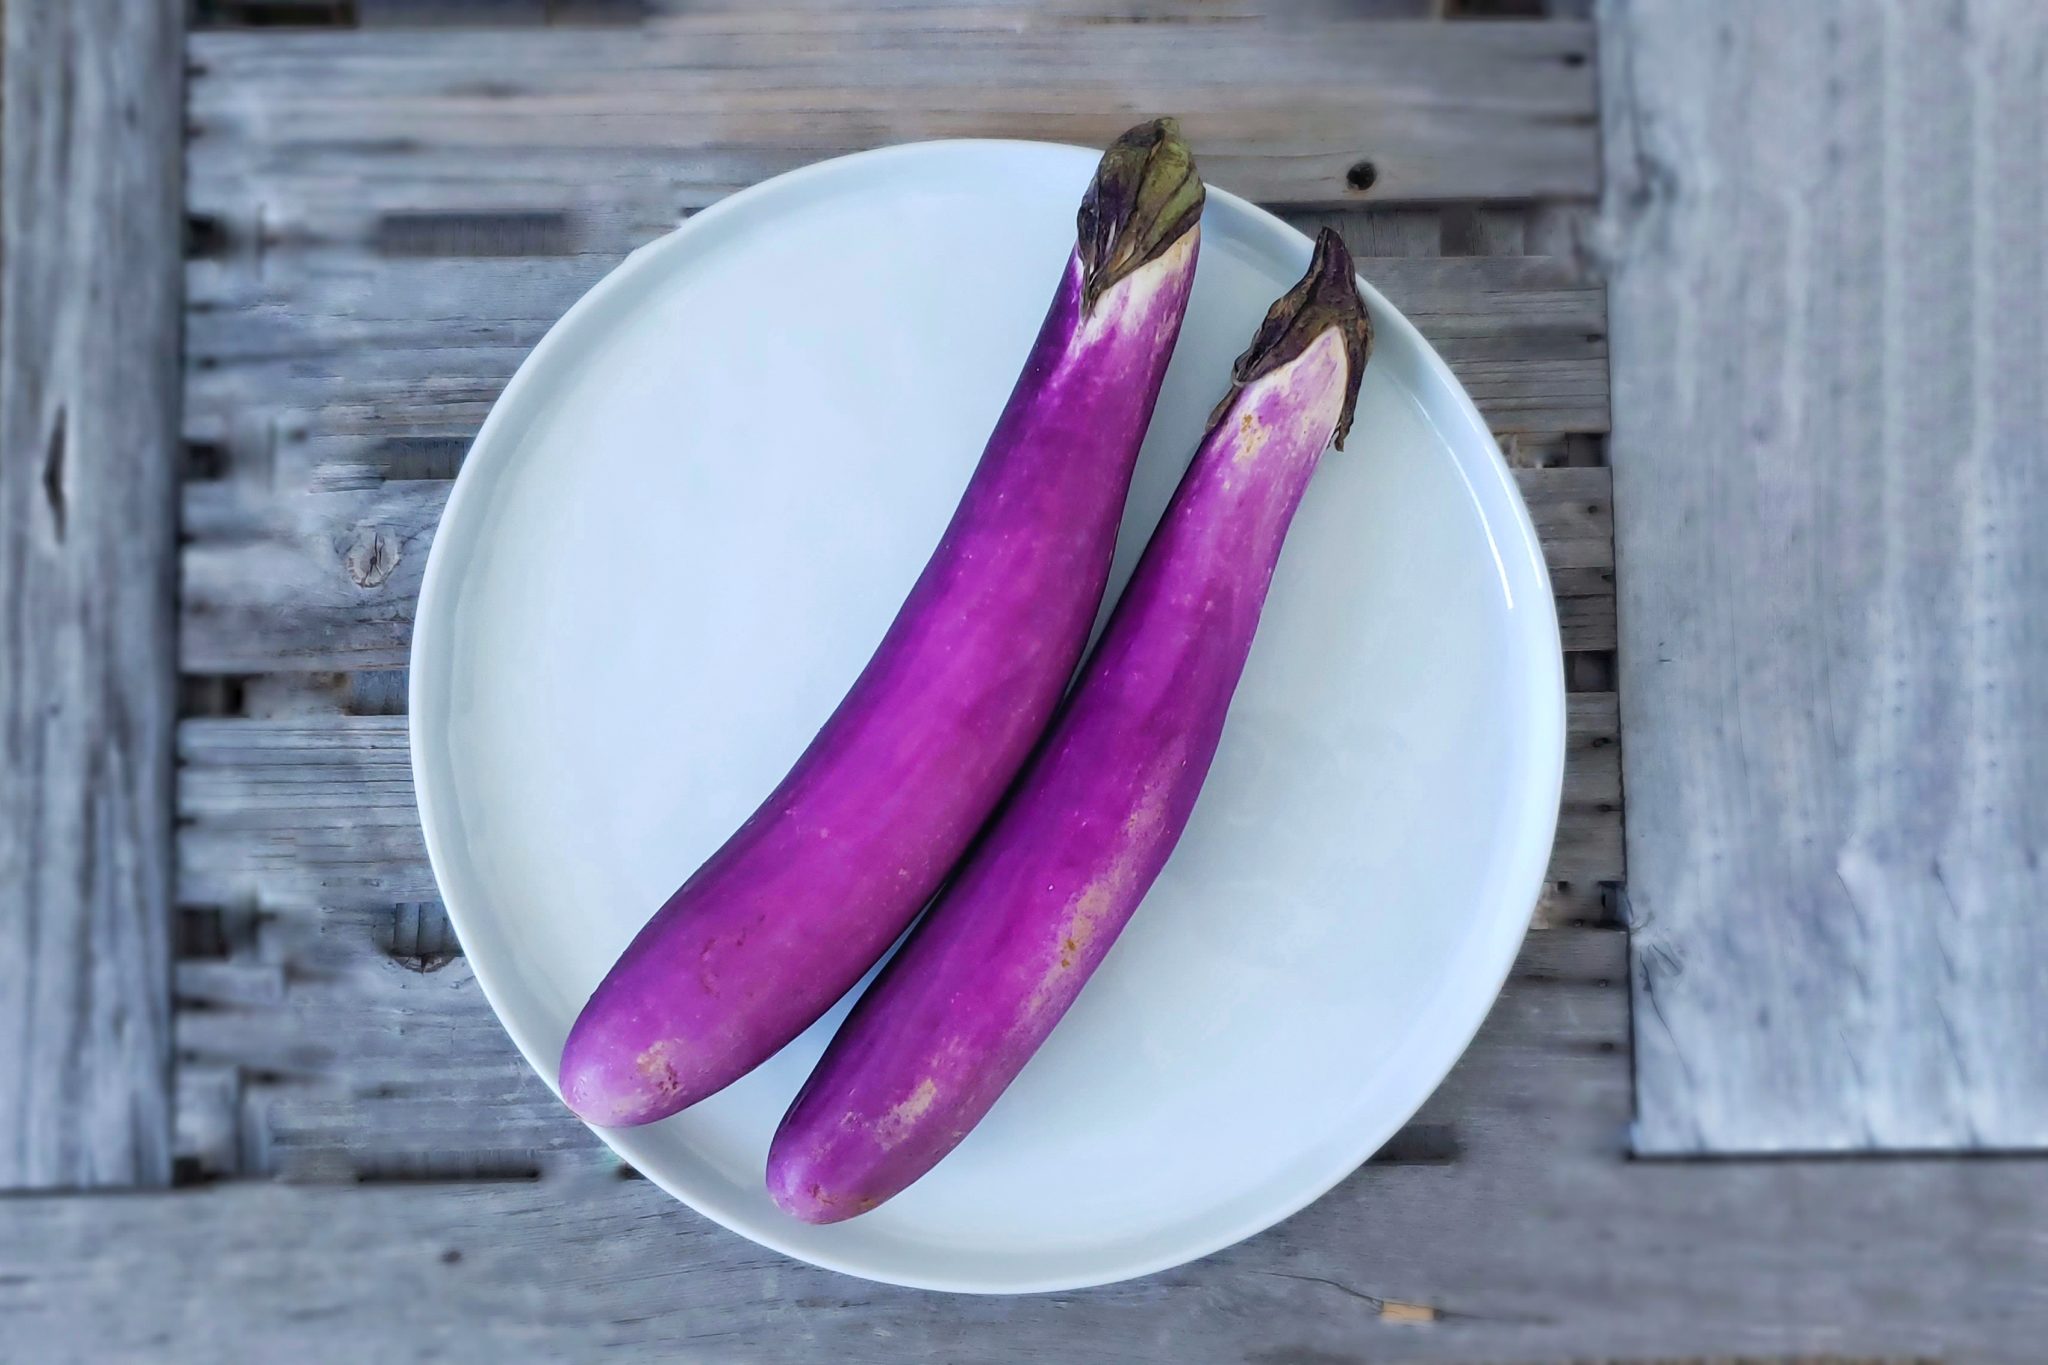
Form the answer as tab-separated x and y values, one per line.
1149	815
1101	896
920	1100
1084	916
896	1125
1087	911
1252	435
660	1071
832	1201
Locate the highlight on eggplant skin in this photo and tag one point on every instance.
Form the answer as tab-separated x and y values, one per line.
786	917
983	979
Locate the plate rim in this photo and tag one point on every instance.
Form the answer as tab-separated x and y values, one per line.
424	672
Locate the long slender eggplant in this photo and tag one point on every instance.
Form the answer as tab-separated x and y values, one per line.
810	892
996	962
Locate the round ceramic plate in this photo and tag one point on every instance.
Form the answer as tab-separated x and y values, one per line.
689	520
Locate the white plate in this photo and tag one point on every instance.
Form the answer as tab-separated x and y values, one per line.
686	525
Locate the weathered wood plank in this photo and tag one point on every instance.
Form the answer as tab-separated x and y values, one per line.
694	104
1624	1259
1587	860
535	13
1829	415
1119	11
317	812
89	212
330	358
1379	229
331	1047
359	1060
1527	335
328	581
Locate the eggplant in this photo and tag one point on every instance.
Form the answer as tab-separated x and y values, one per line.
785	918
982	980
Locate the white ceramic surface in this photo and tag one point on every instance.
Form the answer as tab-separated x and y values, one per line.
688	521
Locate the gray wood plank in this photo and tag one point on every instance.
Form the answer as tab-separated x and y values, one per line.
1381	229
1637	1260
317	811
356	1059
88	515
1828	301
533	13
329	580
329	356
696	103
305	1058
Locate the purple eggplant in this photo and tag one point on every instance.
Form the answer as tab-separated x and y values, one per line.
989	971
815	886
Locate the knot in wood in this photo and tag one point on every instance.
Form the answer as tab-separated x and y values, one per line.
371	554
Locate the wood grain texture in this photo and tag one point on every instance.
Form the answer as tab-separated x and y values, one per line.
88	516
1828	297
326	361
317	811
327	1048
383	227
1636	1260
698	102
329	580
472	14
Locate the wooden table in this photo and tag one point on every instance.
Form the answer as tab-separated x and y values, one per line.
237	383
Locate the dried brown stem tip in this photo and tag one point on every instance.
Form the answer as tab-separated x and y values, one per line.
1145	196
1326	297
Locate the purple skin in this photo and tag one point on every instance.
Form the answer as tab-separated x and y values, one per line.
811	891
983	979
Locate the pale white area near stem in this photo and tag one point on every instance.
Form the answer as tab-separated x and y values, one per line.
1135	292
1321	364
686	525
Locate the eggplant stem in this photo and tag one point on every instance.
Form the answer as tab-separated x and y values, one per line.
1327	296
1146	196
